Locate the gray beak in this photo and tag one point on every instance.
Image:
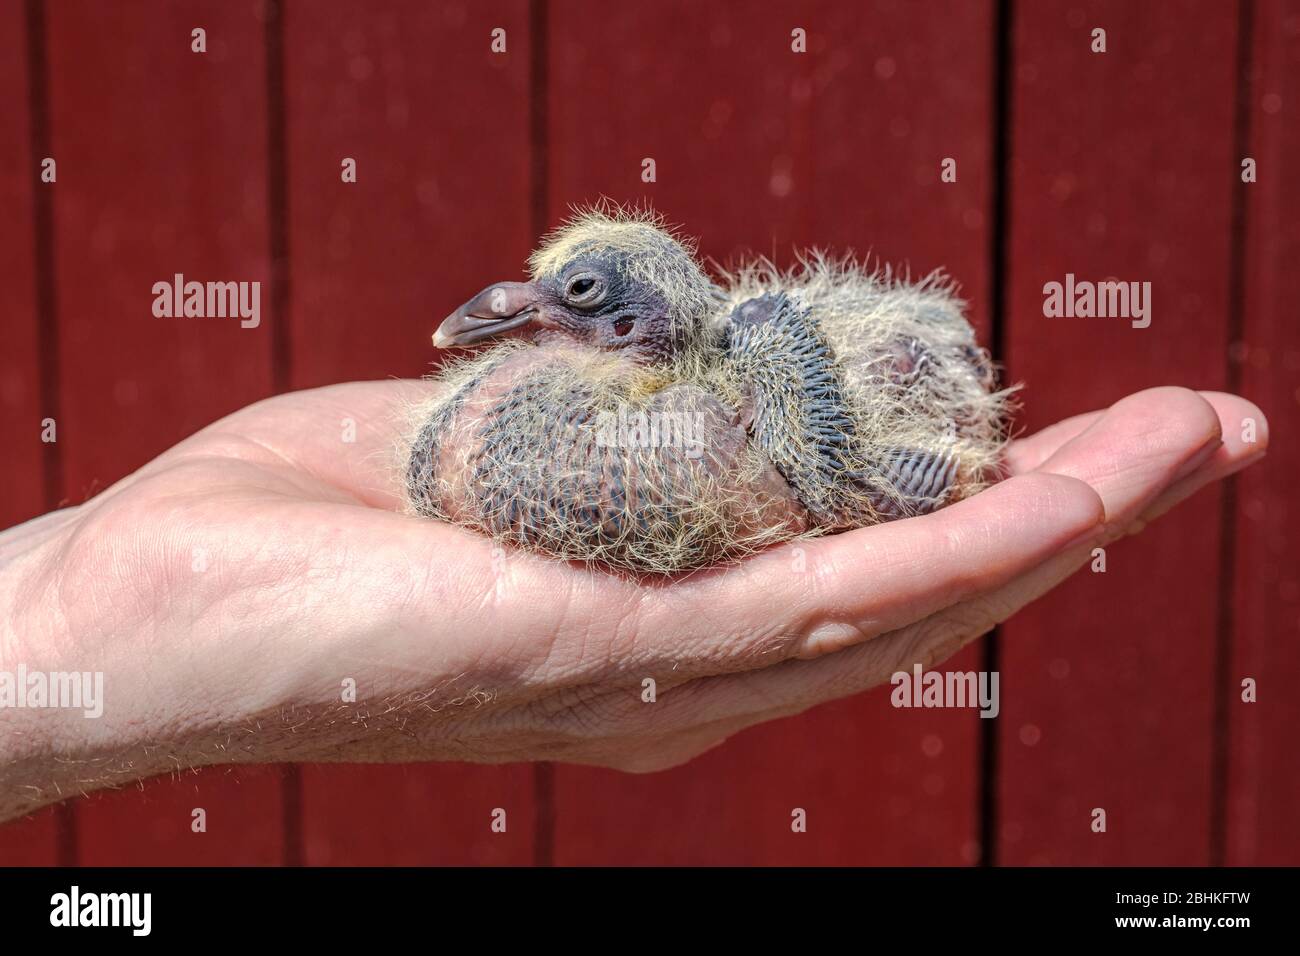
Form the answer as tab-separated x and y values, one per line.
498	309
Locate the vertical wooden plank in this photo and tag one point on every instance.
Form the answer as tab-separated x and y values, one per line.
438	125
761	149
1121	168
1263	779
22	496
162	170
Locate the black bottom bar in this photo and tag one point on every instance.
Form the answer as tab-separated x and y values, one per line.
923	905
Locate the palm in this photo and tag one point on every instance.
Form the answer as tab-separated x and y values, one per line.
263	563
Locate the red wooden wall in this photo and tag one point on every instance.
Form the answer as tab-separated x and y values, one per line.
29	472
1120	690
1114	172
1261	824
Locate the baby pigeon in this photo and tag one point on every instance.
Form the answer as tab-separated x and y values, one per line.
641	416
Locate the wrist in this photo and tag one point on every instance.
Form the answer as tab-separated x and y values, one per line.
101	680
32	645
57	735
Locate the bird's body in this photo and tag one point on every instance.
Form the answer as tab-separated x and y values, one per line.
655	421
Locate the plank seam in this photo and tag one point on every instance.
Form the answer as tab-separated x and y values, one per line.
1000	238
277	197
538	91
1227	622
277	181
38	91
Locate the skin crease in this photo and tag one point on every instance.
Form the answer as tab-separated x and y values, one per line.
462	651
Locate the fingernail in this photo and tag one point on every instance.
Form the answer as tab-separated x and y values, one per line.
828	638
1197	460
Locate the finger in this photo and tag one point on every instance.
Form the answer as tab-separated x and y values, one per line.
822	595
1245	441
1138	448
1026	454
1244	432
723	704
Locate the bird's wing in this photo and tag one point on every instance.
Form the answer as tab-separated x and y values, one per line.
800	418
805	421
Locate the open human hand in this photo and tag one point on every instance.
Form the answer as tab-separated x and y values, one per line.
234	590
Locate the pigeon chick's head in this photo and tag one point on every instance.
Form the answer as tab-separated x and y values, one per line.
618	281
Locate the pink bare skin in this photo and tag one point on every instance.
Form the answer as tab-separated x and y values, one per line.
229	588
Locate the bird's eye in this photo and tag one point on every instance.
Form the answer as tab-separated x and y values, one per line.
585	289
